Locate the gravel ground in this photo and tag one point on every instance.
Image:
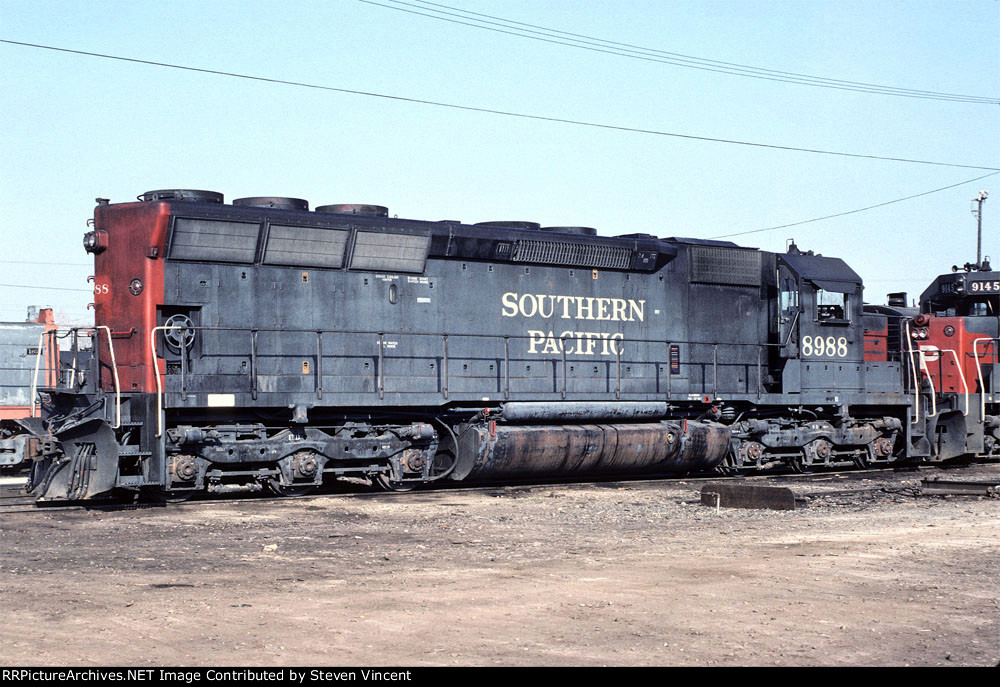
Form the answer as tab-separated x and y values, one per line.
635	573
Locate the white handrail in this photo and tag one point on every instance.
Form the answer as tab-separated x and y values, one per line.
72	377
38	362
114	369
930	379
979	372
961	375
156	373
916	382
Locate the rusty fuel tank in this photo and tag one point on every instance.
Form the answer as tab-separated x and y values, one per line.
490	451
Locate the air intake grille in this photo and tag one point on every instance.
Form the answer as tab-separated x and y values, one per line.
391	252
735	266
307	246
214	240
580	255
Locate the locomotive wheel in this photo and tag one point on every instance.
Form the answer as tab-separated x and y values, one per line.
732	465
799	465
447	458
288	491
389	485
173	497
863	459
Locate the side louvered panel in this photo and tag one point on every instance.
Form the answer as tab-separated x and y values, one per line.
574	254
390	252
214	240
734	266
306	246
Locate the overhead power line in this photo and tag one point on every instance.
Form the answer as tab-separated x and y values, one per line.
33	262
46	288
600	45
851	212
485	110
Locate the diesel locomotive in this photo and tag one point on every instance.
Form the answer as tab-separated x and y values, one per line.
263	345
21	345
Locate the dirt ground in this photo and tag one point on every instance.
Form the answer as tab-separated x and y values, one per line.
585	574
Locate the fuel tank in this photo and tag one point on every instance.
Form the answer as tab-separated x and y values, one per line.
490	451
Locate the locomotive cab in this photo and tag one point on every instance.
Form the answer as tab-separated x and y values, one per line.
819	304
972	294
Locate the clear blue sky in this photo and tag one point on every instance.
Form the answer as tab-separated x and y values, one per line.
75	128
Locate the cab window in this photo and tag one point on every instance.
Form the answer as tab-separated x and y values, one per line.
831	305
980	307
789	295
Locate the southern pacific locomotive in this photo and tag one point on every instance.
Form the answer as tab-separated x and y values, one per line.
259	344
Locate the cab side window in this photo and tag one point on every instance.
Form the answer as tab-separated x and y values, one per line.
789	295
831	305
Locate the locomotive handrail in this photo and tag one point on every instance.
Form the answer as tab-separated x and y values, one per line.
616	344
72	368
114	369
53	372
979	372
253	364
156	374
444	368
916	382
961	375
287	330
759	371
381	378
319	364
562	350
618	372
930	378
506	368
38	361
76	358
668	344
791	330
715	370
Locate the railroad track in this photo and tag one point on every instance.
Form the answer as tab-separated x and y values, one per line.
14	500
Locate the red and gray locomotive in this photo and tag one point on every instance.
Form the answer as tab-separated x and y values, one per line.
259	344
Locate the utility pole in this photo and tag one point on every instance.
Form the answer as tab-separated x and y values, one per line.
978	212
